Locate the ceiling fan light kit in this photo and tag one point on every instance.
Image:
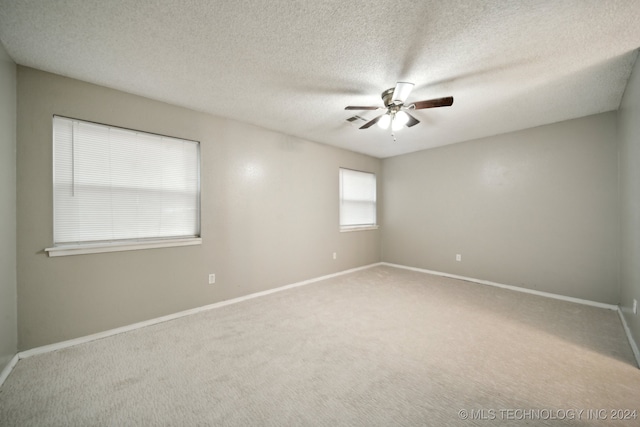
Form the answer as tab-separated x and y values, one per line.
384	121
399	120
394	102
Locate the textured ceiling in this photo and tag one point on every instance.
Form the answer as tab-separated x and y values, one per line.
292	66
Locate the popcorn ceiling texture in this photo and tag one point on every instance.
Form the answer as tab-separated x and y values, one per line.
292	66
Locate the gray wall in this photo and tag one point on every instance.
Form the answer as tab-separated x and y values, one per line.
629	140
8	315
269	217
535	209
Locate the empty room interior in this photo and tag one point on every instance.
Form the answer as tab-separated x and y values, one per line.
319	213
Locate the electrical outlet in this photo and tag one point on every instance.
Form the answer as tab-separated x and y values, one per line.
212	279
458	257
335	255
635	306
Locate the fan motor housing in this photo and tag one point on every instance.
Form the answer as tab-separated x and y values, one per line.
387	98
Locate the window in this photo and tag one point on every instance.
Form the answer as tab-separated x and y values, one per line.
119	189
357	200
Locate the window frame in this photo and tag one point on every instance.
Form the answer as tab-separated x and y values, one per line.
359	227
116	245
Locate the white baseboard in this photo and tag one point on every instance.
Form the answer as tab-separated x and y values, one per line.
7	369
81	340
510	287
116	331
632	342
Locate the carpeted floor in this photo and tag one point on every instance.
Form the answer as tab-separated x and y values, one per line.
378	347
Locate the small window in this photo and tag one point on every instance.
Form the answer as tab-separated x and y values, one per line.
357	200
114	185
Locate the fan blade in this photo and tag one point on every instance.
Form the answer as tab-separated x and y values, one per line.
433	103
402	91
412	121
361	108
371	123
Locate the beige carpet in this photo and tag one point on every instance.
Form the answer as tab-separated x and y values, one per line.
378	347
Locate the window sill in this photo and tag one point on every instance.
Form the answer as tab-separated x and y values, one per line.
358	228
120	246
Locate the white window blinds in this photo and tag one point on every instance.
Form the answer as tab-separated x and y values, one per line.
357	199
112	184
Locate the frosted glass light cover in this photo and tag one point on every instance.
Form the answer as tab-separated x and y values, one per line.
384	121
401	118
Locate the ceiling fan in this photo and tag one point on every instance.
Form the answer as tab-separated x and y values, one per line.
394	102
